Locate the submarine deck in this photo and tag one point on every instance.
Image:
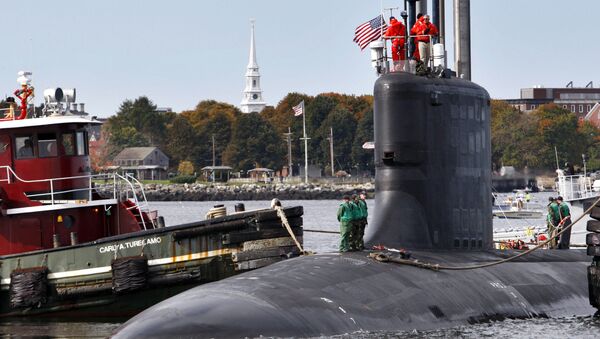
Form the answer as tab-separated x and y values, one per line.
333	293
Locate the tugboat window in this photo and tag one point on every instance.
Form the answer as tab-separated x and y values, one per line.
47	145
68	143
24	146
81	143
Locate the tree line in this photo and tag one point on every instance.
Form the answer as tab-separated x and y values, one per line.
246	141
541	138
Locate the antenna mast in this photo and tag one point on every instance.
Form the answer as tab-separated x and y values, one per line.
391	9
331	149
213	149
288	137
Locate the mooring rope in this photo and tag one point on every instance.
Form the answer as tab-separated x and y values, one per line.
387	258
287	226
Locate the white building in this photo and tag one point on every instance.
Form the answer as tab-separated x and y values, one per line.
252	100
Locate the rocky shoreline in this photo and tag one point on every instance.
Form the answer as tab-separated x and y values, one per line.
220	192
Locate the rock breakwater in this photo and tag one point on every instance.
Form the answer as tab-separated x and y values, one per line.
217	192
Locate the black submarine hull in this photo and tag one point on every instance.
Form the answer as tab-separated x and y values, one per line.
433	196
334	294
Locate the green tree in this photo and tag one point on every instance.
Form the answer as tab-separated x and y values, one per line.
254	142
120	138
137	123
206	109
316	112
282	117
181	141
185	168
344	126
513	137
557	127
219	126
364	133
591	138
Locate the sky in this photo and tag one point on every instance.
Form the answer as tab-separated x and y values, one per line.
180	52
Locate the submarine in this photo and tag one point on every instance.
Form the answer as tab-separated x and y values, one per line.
432	184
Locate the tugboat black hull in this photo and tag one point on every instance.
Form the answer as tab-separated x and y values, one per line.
122	275
334	294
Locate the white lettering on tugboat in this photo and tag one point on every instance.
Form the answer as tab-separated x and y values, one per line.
129	244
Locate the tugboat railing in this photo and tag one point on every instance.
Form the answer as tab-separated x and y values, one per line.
573	187
144	200
128	180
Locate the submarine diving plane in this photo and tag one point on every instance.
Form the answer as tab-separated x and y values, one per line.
433	182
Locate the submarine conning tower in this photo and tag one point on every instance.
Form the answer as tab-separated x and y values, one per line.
433	164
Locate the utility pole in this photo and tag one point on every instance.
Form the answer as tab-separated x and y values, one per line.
305	138
331	150
213	147
288	136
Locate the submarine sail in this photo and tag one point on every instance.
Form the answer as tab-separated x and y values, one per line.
432	157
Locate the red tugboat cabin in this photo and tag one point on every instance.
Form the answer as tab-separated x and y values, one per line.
47	190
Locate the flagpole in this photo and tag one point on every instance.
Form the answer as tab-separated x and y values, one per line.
305	144
382	19
331	150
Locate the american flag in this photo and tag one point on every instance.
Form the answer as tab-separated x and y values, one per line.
298	109
369	31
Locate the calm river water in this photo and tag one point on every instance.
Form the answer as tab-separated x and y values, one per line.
320	215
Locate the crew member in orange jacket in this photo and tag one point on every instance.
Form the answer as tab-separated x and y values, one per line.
397	28
414	31
425	29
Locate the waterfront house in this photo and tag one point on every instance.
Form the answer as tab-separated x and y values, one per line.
145	163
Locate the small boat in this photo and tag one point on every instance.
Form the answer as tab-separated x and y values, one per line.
516	207
517	214
70	249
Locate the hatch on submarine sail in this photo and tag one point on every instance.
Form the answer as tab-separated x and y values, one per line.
433	180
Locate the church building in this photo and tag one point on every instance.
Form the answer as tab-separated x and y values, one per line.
252	100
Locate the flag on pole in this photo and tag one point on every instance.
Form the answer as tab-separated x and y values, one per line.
369	31
299	109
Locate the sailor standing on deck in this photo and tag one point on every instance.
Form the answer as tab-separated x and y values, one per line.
425	30
396	29
359	244
344	216
565	220
414	42
552	220
355	223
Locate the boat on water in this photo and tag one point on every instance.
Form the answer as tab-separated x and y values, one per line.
579	192
518	214
70	249
516	207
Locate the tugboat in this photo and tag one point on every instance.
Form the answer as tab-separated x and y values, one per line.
68	249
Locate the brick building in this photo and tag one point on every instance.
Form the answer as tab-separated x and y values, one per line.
579	100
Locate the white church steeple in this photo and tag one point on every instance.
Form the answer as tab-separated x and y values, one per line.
252	100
